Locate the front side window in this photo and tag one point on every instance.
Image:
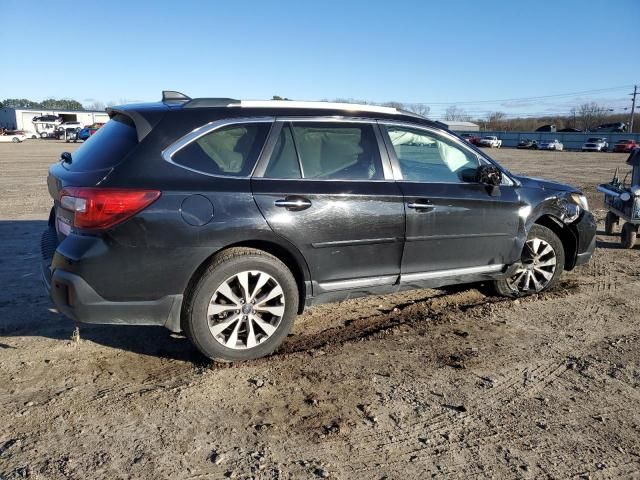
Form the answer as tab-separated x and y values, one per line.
227	151
426	157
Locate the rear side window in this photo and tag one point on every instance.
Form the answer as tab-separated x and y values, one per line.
227	151
337	151
107	147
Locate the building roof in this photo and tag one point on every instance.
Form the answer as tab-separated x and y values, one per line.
459	124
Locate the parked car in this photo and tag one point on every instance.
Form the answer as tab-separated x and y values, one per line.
471	138
546	128
595	144
616	127
625	146
86	132
550	145
12	136
47	119
490	141
224	219
527	143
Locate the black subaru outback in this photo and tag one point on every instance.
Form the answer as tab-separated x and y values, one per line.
224	218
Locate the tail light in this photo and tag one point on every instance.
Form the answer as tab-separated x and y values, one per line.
97	208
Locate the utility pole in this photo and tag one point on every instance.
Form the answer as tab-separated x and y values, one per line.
633	107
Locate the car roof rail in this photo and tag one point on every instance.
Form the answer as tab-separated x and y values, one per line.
212	102
173	96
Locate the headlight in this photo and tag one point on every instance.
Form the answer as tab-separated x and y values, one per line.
580	200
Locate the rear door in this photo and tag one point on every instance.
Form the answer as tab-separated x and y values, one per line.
454	223
327	187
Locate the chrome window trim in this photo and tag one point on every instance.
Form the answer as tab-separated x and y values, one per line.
458	142
454	272
182	142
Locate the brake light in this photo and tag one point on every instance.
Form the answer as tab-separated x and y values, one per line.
97	208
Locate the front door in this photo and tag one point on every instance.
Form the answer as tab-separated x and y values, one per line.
455	225
327	190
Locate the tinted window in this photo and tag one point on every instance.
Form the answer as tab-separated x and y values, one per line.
425	157
336	151
284	159
107	147
231	150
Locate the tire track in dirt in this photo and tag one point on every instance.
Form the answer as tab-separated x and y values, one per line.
522	383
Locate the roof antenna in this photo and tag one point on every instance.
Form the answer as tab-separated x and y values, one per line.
173	96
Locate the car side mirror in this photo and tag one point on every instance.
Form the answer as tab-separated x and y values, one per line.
491	177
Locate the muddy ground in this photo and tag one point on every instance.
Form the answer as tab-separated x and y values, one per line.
445	383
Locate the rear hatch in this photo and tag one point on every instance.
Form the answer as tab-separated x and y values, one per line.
90	165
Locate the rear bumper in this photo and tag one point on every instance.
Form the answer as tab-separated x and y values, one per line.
76	299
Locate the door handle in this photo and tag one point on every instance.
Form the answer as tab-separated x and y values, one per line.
421	205
293	204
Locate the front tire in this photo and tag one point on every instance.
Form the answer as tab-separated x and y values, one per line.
541	265
242	307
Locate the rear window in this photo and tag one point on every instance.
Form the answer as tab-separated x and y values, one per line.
107	147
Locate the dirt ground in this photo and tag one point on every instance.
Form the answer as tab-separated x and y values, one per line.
433	383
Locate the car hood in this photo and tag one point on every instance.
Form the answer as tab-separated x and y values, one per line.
531	182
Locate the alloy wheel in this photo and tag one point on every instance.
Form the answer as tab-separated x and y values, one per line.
538	265
246	309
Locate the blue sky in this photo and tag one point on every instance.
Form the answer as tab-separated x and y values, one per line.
433	52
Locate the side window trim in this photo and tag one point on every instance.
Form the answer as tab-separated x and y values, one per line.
281	122
289	125
184	141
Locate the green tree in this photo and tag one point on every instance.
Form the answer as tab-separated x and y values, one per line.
20	103
62	104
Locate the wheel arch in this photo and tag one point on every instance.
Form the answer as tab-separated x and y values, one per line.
286	253
566	235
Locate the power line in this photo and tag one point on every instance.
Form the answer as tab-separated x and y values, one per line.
558	95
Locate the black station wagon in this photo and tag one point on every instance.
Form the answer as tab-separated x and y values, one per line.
224	218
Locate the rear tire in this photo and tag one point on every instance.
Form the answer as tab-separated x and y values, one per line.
542	264
629	235
226	315
611	223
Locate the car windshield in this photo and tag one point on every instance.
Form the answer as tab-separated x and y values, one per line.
594	140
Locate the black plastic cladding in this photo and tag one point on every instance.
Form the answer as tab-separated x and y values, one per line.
356	230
